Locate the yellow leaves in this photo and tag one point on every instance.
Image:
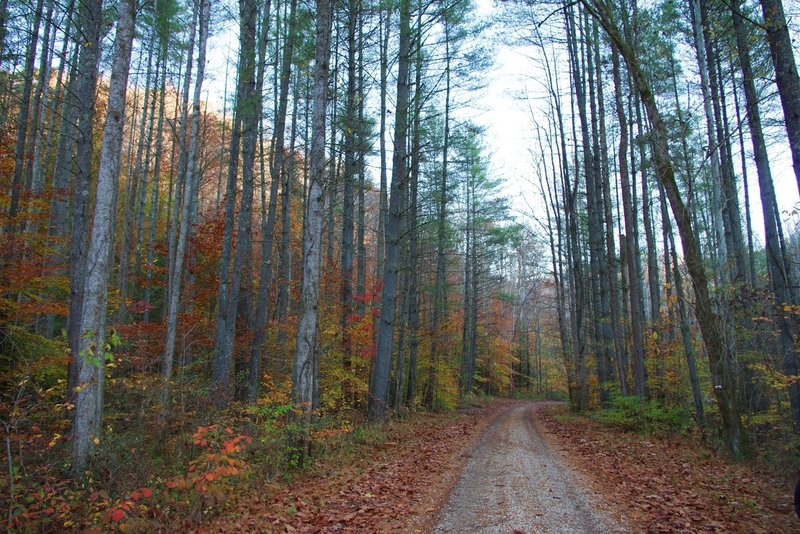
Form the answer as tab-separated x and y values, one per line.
54	440
331	331
772	377
793	309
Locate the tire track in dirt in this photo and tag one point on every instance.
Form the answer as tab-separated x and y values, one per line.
514	481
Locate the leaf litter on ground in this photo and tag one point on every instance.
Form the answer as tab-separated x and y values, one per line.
398	485
673	484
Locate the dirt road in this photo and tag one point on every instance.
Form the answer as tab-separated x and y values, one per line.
514	482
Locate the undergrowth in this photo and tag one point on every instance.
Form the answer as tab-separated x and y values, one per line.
153	471
631	413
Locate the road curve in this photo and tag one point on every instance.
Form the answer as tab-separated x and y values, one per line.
513	482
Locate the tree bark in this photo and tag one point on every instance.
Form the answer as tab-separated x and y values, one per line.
304	373
189	192
85	93
629	242
779	270
786	76
710	325
379	381
248	113
92	355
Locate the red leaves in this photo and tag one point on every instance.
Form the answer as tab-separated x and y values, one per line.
217	464
117	515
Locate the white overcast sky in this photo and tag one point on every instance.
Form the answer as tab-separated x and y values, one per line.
508	122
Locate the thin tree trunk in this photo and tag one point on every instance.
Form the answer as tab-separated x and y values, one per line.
413	228
261	314
751	261
686	336
379	381
348	224
361	251
439	304
85	93
777	266
247	113
304	373
154	194
630	245
20	146
383	197
189	193
138	183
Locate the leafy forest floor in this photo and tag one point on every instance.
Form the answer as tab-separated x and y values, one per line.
673	484
652	484
396	484
396	477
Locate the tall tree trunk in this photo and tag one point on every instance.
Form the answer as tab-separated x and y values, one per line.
285	254
137	183
259	323
279	171
379	381
189	192
176	185
594	186
247	113
782	53
33	171
629	242
777	265
348	176
439	303
716	173
383	197
710	324
610	283
56	150
92	356
686	336
20	146
155	189
464	383
361	259
751	260
413	228
304	373
90	16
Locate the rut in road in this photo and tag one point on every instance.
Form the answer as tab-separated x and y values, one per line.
514	482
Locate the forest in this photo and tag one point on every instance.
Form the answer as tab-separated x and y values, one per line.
199	291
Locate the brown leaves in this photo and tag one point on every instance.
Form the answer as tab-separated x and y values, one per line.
392	486
675	484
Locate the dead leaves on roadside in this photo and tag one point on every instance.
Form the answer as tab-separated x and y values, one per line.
391	486
671	485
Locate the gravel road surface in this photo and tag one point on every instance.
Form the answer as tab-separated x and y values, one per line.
514	482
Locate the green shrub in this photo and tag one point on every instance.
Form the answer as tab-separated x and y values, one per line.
629	412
